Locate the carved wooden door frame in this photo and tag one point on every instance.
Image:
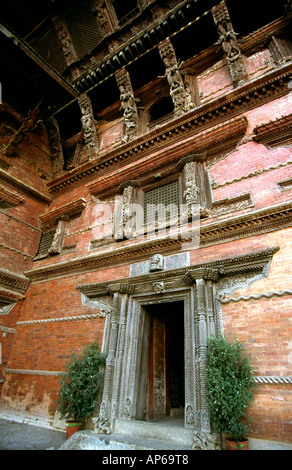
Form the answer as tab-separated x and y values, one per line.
201	288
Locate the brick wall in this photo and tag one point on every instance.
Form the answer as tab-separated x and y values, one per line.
263	324
23	176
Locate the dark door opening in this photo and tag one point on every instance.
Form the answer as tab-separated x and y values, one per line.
162	391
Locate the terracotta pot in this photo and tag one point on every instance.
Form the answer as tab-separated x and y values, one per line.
72	427
232	445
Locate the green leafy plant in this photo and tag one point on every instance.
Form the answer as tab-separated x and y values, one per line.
230	387
81	384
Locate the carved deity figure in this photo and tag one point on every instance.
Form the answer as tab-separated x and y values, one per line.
100	9
55	144
127	201
156	263
227	38
56	246
191	192
88	128
128	105
190	420
65	40
180	96
88	124
158	287
228	41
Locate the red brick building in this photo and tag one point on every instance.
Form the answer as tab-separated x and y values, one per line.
145	202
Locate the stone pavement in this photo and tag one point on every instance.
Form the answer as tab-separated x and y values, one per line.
23	436
15	435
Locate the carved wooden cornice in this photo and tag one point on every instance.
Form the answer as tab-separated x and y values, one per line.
13	285
276	133
225	108
89	316
254	223
262	36
69	211
183	277
285	185
256	173
220	139
246	225
16	183
173	21
9	198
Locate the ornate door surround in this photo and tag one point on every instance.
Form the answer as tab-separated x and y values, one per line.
201	288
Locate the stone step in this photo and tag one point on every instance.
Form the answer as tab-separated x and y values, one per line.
89	440
179	435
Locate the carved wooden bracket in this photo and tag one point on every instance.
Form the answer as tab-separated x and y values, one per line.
89	127
128	105
181	98
65	40
55	144
228	41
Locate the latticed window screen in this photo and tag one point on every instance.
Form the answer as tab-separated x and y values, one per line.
46	242
83	27
48	47
161	204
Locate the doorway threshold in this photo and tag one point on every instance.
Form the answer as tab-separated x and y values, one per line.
167	429
169	421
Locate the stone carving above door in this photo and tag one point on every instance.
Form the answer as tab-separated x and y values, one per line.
156	263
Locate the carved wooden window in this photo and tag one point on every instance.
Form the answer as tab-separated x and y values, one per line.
45	243
281	50
143	207
52	240
162	203
55	227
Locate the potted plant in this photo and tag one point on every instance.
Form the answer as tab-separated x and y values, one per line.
80	387
230	390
